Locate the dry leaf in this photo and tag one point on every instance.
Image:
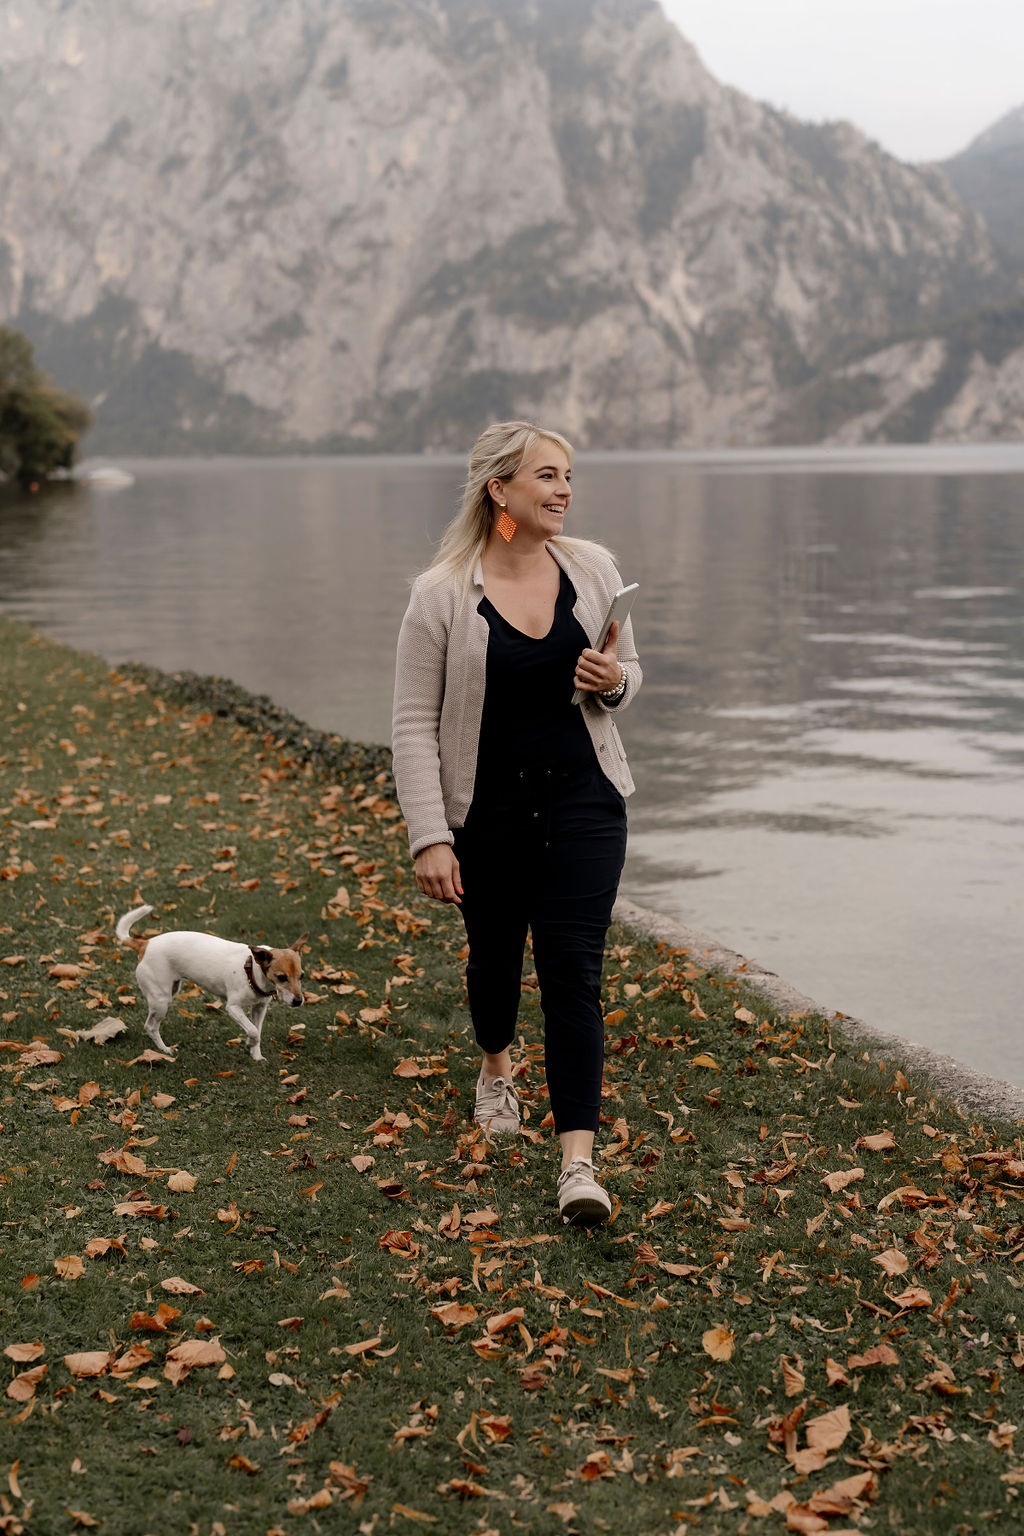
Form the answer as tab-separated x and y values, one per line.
505	1320
704	1061
913	1296
793	1379
70	1268
24	1384
179	1287
361	1162
828	1431
123	1161
99	1034
189	1354
878	1354
22	1353
841	1178
877	1143
454	1315
93	1362
182	1182
719	1342
892	1261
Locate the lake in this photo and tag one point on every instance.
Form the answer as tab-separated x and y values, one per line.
829	743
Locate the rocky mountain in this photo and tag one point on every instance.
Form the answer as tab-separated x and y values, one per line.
376	224
989	176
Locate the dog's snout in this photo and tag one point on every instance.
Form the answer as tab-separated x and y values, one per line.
296	1002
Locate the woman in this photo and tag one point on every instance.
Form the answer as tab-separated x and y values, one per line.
513	795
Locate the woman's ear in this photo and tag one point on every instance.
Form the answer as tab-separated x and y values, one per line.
496	491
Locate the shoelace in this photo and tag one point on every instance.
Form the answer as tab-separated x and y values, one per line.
499	1090
578	1165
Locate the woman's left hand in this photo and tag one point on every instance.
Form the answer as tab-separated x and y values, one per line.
600	671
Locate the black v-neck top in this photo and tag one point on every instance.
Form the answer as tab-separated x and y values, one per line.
529	721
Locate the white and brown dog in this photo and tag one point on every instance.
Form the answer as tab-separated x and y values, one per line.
247	976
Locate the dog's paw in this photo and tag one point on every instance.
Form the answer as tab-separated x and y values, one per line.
257	1054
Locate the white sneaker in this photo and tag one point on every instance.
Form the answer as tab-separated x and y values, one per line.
580	1197
497	1105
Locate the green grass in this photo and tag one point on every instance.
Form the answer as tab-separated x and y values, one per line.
600	1408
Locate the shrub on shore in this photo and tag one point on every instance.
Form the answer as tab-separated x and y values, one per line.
40	425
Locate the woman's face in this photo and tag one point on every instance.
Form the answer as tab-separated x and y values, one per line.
538	496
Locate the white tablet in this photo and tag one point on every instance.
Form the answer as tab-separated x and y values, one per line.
618	609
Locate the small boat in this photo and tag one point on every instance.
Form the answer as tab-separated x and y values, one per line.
108	476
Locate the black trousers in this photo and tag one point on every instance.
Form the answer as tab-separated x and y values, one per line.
544	851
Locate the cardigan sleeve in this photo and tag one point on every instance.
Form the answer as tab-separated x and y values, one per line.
627	657
416	718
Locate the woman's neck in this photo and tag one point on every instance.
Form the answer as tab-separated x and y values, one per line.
516	560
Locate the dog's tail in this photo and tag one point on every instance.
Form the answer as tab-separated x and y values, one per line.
124	927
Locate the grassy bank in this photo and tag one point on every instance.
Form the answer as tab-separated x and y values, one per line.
302	1295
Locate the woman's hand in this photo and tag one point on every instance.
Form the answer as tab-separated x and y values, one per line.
437	873
600	671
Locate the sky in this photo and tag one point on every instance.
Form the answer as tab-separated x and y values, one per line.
922	77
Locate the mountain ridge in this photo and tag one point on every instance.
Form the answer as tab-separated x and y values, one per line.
374	224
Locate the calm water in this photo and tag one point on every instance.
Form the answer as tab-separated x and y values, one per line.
829	743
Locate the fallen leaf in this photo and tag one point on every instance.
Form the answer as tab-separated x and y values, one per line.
179	1287
182	1182
454	1315
413	1514
913	1296
719	1343
99	1034
363	1346
892	1261
793	1379
159	1321
70	1268
24	1384
22	1353
841	1178
243	1464
505	1320
93	1362
828	1431
361	1162
877	1143
878	1354
122	1160
189	1354
704	1061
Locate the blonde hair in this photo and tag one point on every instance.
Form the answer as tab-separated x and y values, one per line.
498	454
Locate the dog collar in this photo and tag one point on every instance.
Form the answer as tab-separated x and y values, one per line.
252	980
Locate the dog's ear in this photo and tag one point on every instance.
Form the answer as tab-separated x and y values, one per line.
263	956
299	943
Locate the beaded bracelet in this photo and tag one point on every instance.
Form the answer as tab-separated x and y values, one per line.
611	694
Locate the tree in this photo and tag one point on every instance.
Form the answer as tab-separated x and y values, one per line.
40	425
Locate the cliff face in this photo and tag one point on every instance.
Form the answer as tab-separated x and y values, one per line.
989	176
380	223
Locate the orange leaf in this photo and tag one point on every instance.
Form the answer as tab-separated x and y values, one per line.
24	1385
179	1287
841	1178
93	1362
877	1143
70	1268
455	1316
719	1343
505	1320
22	1353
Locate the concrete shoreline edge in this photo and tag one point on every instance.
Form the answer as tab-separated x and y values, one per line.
973	1091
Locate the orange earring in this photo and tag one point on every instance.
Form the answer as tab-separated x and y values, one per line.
506	525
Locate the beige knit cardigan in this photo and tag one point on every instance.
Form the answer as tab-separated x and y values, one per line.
439	692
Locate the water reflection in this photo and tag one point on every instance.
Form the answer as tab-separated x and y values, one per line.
828	745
